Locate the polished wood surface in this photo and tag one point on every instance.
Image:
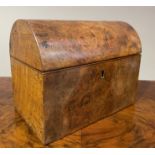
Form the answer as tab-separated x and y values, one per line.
69	74
77	97
28	95
61	102
49	45
133	126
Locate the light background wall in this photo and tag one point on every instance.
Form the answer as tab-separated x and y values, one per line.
141	18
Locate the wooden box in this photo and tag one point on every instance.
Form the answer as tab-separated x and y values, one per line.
69	74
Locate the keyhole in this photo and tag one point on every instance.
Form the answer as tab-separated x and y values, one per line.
102	74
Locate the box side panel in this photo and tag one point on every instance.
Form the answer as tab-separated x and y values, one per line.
23	45
28	95
79	96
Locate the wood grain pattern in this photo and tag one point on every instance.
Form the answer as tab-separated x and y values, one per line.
130	127
61	44
28	95
57	68
78	96
55	104
22	43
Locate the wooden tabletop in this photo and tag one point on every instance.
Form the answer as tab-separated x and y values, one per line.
133	126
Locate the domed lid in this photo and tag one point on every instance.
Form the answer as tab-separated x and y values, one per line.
50	45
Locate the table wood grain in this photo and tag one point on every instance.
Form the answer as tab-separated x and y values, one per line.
133	126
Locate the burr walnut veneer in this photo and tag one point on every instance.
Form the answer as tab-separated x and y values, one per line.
69	74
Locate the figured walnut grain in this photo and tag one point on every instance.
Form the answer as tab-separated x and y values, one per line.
50	45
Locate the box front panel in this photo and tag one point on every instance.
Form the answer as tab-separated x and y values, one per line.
78	96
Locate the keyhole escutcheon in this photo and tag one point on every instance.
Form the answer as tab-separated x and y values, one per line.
102	74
